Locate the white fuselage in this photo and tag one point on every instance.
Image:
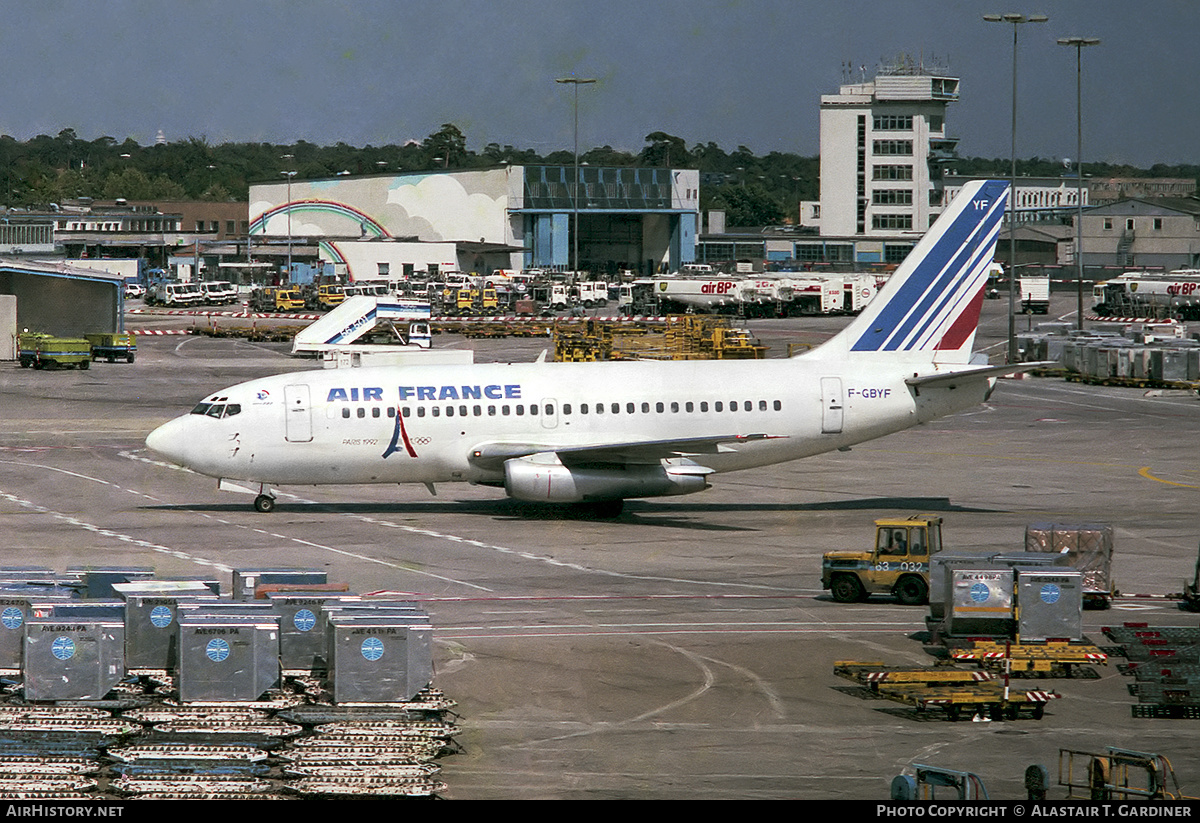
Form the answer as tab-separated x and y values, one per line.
323	427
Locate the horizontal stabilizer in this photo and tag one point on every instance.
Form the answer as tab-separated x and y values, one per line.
952	379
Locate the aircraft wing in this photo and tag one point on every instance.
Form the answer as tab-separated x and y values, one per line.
951	379
493	455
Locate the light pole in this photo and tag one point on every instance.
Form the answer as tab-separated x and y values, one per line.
289	175
576	82
1016	20
1079	43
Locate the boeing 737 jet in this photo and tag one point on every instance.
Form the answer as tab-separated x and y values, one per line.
599	433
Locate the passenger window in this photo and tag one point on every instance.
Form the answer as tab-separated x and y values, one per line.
645	408
533	409
658	407
549	408
375	411
504	410
491	411
462	411
748	406
703	405
616	408
520	410
420	411
778	405
407	412
391	411
762	405
583	409
630	408
719	406
566	409
361	412
689	407
346	411
733	406
599	408
436	411
477	411
674	408
449	411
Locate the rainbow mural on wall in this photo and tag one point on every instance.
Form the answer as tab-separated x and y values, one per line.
317	206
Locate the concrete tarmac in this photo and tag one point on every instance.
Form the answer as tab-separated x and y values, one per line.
686	649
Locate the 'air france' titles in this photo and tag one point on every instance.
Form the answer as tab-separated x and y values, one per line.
368	394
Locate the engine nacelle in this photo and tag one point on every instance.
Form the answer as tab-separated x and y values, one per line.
546	482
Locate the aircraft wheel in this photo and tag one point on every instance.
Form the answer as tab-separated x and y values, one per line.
911	591
846	588
264	503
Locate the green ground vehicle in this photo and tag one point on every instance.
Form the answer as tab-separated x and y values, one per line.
898	565
113	347
45	351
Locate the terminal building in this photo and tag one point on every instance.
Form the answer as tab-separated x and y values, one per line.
642	220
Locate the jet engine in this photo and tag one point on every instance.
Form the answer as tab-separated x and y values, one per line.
541	481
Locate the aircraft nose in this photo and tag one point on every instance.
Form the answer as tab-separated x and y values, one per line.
170	440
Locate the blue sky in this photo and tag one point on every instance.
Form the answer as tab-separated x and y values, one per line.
734	73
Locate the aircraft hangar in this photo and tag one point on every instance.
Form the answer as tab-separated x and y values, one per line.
57	299
511	217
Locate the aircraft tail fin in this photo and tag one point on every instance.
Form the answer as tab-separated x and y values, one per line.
929	309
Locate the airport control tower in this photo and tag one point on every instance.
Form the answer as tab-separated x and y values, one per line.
882	143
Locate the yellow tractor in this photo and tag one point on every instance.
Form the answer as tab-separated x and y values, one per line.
898	565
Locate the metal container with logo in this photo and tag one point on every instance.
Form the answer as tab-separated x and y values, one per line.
227	658
303	633
379	658
151	628
72	658
1049	605
979	601
15	609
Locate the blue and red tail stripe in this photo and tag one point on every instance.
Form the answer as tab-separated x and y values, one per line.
936	301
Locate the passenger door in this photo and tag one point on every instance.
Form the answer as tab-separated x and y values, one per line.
297	414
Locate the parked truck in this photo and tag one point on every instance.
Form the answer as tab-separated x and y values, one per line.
1035	294
275	299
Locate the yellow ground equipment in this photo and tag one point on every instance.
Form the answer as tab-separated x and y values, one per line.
898	565
45	351
276	298
113	347
1049	659
684	337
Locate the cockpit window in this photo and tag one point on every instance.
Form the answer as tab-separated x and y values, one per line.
217	410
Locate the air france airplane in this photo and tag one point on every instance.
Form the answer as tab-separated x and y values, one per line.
599	433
